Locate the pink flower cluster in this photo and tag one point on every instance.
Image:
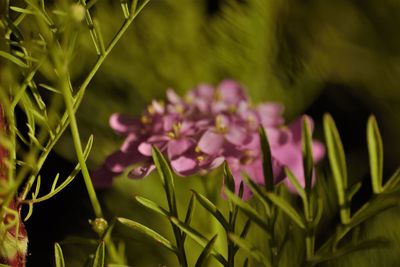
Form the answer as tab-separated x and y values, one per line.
201	130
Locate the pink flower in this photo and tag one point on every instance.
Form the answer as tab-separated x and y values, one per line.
201	130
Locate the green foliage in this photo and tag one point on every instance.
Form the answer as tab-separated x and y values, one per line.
282	226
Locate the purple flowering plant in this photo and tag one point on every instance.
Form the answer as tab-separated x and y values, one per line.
271	211
198	132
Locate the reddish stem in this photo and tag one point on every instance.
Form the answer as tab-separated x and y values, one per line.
13	247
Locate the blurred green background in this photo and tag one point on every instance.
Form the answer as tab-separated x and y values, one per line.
314	56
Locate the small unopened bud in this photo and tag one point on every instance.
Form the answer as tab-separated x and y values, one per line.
99	225
78	12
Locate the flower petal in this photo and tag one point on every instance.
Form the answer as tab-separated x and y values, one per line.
211	143
178	147
130	143
123	124
118	161
270	114
145	148
102	177
236	135
184	165
141	171
173	97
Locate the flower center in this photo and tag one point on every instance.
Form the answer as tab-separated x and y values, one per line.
176	130
221	125
247	158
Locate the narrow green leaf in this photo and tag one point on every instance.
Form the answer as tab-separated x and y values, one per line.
247	209
22	10
152	205
257	191
14	29
125	8
287	209
58	255
166	177
354	189
30	211
393	181
295	183
244	232
375	149
229	180
363	245
53	186
306	141
266	160
374	207
134	7
189	214
148	232
320	211
337	162
4	265
13	59
210	207
49	88
99	256
202	260
198	238
250	249
38	182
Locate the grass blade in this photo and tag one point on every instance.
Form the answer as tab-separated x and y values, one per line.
306	142
149	232
58	256
337	162
198	238
202	260
287	209
212	209
151	205
250	212
266	160
250	249
99	256
166	177
375	149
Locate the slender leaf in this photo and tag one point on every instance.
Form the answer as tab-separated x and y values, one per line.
247	209
198	238
287	209
375	206
209	206
295	183
250	249
149	232
166	177
354	189
266	160
375	149
13	59
58	255
306	141
393	181
202	260
152	206
229	180
99	256
189	214
338	165
257	191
